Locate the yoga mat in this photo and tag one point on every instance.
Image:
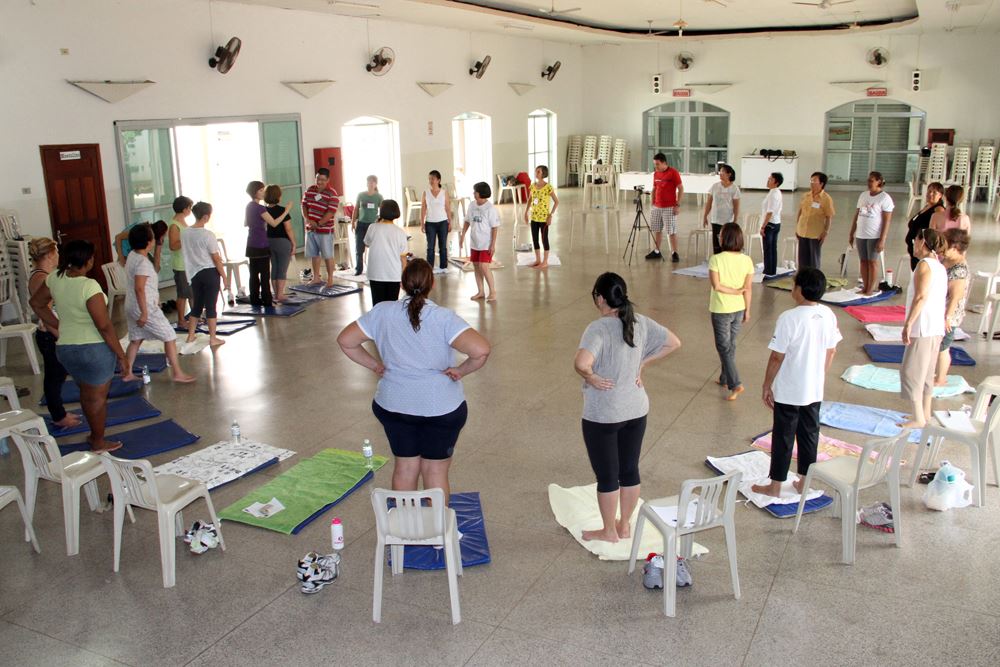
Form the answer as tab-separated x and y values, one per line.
576	510
465	264
474	546
700	271
874	377
348	274
157	362
866	314
323	290
300	299
863	419
122	411
885	333
841	298
278	310
183	348
224	462
788	283
893	354
828	447
222	328
528	258
759	277
71	392
308	489
755	466
143	442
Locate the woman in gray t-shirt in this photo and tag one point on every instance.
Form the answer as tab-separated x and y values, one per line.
613	352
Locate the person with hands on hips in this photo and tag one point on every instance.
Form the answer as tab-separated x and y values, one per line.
722	205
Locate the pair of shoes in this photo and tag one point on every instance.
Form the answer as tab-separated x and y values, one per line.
652	572
315	571
877	516
675	258
439	271
201	537
654	254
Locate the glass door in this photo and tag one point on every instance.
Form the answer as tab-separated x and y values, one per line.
694	136
280	142
867	136
472	150
541	143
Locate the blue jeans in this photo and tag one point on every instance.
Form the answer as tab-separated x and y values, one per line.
727	327
359	247
770	233
437	232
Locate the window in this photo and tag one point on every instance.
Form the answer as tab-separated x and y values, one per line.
472	149
542	142
693	135
371	147
873	135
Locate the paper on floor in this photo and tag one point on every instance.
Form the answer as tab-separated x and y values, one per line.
669	514
756	469
223	462
264	510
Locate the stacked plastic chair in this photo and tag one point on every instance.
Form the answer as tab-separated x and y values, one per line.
574	150
937	165
960	171
983	175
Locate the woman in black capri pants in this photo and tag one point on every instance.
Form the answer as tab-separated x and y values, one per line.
614	350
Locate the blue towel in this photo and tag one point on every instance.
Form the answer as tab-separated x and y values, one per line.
864	301
322	290
893	354
474	546
278	310
143	442
122	411
863	419
870	376
71	391
784	511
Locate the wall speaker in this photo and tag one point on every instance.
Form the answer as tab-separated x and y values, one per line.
915	81
657	84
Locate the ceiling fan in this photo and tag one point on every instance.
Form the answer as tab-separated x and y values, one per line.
552	11
824	4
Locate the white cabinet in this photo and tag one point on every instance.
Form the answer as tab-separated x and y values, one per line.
755	170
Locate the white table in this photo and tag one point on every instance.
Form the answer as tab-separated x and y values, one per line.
695	184
755	170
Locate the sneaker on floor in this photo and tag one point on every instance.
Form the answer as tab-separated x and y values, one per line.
652	572
201	537
317	577
329	561
654	254
683	574
877	516
439	271
675	258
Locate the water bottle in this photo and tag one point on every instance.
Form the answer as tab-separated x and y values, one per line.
337	534
145	375
366	451
234	431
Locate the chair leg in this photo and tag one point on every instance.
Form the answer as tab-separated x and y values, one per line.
30	494
28	528
636	541
90	491
397	555
670	576
977	473
897	506
215	520
168	551
71	517
802	501
449	564
119	517
848	527
3	341
29	348
730	529
377	585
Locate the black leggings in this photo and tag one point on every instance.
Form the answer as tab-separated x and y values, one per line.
54	377
614	452
205	294
537	227
383	291
260	280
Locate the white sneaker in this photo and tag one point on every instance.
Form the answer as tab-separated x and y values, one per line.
439	271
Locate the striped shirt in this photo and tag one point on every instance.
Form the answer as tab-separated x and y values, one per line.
316	203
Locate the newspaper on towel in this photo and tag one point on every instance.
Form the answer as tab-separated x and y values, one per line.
756	469
223	462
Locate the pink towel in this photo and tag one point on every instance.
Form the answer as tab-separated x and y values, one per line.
867	314
828	447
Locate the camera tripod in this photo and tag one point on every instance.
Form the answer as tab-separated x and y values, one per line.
638	224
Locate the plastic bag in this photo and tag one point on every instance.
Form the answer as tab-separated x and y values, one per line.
948	489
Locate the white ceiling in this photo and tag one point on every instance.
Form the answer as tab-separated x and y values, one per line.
622	21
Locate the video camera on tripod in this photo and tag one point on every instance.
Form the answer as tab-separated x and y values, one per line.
639	190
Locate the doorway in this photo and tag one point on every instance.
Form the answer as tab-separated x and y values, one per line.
542	143
873	135
370	146
74	187
693	135
472	150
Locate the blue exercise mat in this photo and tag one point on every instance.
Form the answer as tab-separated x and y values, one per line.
878	422
279	310
122	411
157	362
474	546
143	442
864	301
322	290
223	327
893	354
785	511
119	388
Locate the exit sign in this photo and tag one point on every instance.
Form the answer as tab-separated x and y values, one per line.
877	92
682	92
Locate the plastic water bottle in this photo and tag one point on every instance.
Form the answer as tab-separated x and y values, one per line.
234	432
145	375
366	451
337	534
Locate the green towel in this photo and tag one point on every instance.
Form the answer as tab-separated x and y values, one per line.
305	489
788	283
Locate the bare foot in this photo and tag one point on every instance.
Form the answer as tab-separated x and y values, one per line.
543	265
912	424
799	485
773	489
130	377
216	342
534	264
317	282
328	285
477	296
188	340
600	536
183	378
735	393
623	528
492	298
68	421
940	383
105	446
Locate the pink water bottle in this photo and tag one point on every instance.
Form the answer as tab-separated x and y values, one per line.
337	534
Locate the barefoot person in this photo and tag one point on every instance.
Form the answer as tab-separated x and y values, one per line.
484	221
539	214
613	352
869	230
204	265
923	327
142	303
954	262
182	209
805	340
87	345
319	212
45	254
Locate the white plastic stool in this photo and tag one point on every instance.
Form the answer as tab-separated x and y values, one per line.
790	253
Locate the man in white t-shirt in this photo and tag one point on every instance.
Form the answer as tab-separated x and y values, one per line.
805	340
770	222
869	229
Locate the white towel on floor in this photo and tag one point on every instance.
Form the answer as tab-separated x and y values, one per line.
886	333
528	258
756	469
348	274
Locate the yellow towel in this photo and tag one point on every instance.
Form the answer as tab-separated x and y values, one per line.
576	510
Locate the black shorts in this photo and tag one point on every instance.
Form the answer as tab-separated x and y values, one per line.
427	437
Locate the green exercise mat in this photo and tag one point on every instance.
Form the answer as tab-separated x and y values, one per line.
788	283
308	489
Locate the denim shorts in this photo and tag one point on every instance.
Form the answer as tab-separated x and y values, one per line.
319	245
92	363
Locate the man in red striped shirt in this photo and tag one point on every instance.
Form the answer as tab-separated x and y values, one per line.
319	212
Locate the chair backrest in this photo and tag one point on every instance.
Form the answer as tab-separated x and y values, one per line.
715	497
7	293
114	274
410	518
992	420
41	451
877	457
751	225
410	193
131	481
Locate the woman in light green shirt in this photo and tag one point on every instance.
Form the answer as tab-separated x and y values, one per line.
365	215
731	274
86	343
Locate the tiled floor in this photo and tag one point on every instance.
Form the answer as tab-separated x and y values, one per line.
543	600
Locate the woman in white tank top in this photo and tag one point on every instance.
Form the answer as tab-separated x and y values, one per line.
435	220
923	329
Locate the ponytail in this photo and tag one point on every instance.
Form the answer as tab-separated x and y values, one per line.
954	195
626	313
614	291
414	306
417	281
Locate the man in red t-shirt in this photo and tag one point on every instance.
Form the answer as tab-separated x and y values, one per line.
667	193
319	212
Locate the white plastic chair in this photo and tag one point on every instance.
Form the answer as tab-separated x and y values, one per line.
986	308
412	205
25	332
751	231
707	495
916	195
981	442
790	250
878	462
9	494
342	239
9	391
114	276
41	459
133	483
232	268
697	237
410	522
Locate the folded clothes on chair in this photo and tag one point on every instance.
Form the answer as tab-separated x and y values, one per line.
307	490
576	510
828	447
885	314
893	354
887	379
474	546
863	419
122	411
756	468
119	388
224	462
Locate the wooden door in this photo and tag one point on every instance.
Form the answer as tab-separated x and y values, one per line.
74	186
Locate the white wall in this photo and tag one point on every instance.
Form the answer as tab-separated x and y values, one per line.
782	88
169	42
